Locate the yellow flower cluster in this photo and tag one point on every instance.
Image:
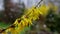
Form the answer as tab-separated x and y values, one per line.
26	20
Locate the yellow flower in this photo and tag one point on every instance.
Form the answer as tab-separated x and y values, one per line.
44	9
